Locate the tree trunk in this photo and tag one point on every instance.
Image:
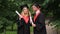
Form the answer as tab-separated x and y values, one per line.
4	30
12	27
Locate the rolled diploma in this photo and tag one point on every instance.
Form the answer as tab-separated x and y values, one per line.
18	14
31	20
21	17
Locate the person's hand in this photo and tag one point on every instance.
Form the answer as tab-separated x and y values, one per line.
34	25
20	16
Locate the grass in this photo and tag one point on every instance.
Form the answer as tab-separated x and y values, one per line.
11	32
31	29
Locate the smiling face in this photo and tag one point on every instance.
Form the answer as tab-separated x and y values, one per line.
25	10
34	8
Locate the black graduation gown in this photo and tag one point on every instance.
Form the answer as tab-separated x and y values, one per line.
40	25
23	28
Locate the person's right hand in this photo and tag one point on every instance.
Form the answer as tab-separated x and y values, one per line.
34	25
20	16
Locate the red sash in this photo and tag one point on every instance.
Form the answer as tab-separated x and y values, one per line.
26	18
36	16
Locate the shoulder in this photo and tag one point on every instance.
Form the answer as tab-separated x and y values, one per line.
41	14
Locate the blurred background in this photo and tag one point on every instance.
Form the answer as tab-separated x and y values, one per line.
51	9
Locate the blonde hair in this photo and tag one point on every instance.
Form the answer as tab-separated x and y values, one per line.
22	13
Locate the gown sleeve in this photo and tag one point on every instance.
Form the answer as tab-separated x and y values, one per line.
19	22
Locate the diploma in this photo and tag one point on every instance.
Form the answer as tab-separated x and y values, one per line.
31	20
18	13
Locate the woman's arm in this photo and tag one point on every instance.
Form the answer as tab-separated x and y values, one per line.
19	20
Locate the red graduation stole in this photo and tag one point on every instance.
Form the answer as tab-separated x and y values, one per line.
26	18
35	16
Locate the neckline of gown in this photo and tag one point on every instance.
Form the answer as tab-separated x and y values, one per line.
26	19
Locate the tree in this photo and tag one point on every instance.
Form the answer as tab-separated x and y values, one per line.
51	8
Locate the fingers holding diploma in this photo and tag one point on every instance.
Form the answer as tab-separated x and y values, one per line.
18	14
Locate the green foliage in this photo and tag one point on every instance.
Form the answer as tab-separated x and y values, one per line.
51	8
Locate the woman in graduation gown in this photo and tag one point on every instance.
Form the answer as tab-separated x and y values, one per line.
39	20
24	21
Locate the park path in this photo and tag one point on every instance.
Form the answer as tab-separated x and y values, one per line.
50	30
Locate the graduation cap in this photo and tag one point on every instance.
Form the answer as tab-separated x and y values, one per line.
22	6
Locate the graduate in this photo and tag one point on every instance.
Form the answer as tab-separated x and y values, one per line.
39	20
24	20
